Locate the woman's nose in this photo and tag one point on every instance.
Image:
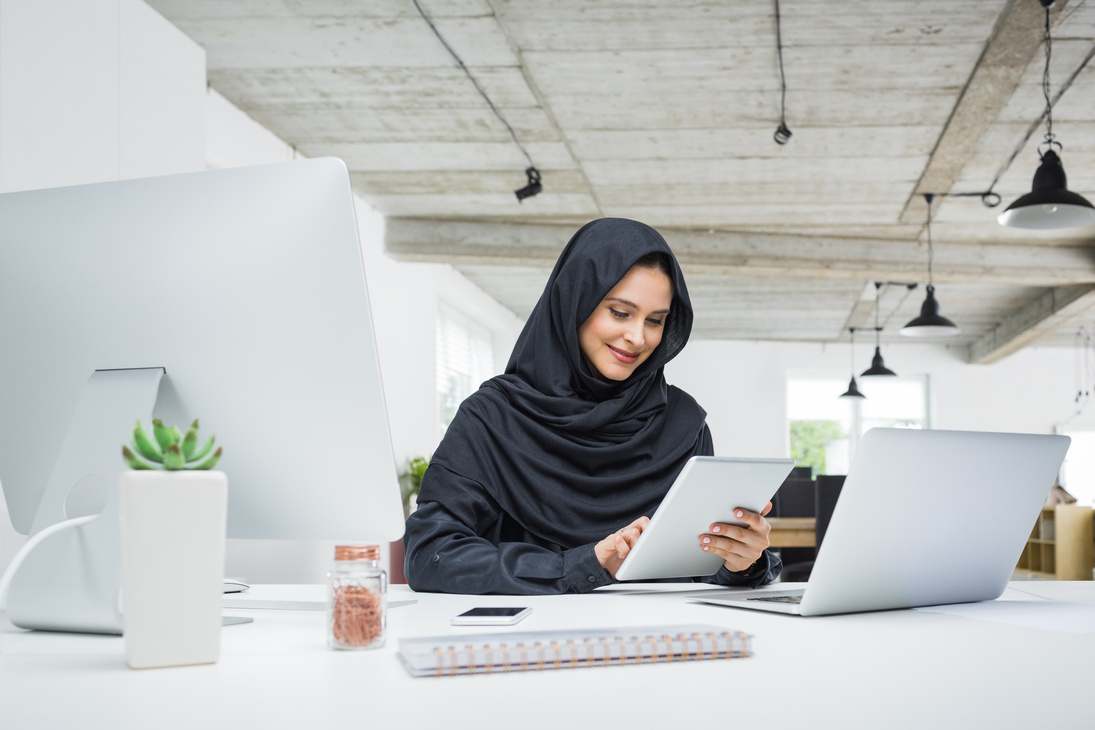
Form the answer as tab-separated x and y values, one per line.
635	333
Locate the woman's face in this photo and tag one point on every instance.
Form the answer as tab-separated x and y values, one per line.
628	323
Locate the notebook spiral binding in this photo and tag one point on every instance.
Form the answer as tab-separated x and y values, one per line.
589	651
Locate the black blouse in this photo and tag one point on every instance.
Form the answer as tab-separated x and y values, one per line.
471	545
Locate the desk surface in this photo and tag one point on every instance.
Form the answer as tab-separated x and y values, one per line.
891	669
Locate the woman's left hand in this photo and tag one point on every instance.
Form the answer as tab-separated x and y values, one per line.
739	547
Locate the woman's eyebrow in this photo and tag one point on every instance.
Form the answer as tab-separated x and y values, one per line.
633	305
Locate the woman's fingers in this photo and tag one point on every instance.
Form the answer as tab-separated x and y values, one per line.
739	546
612	550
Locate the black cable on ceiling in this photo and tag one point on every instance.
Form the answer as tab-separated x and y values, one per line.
782	134
533	187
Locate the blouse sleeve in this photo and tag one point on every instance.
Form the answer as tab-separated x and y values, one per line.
458	547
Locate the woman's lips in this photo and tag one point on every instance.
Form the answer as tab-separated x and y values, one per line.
624	355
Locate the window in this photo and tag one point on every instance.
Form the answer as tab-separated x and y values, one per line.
825	428
465	359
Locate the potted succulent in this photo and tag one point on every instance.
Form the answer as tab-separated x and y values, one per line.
171	450
174	510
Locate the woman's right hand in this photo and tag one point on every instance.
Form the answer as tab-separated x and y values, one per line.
613	549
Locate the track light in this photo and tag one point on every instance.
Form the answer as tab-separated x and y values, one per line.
1049	204
853	389
533	188
930	323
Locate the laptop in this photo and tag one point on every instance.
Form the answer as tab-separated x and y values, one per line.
924	518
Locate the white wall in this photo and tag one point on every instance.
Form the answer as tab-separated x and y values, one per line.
743	387
94	90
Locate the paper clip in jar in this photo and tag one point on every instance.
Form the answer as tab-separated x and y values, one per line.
356	599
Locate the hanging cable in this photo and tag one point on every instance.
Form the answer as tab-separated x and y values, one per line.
1085	366
532	173
908	290
782	134
930	198
1049	139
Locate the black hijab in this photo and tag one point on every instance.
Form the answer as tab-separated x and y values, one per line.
569	456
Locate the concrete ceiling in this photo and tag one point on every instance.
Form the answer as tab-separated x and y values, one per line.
665	111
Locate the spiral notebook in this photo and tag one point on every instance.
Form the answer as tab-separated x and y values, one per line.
501	652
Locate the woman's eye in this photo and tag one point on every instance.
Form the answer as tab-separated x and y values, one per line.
618	314
655	322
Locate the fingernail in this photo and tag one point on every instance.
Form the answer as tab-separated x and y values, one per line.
706	540
715	528
740	514
706	549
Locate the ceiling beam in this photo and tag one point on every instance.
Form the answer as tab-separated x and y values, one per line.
1046	314
1016	38
754	254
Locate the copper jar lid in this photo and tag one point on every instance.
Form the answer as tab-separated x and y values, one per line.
357	552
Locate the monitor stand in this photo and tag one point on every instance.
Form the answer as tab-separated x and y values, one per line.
71	579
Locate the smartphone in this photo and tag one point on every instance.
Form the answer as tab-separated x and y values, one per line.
492	616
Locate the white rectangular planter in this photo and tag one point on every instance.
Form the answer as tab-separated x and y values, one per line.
173	537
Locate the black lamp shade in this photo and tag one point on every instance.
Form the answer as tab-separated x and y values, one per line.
877	366
1049	204
930	323
853	391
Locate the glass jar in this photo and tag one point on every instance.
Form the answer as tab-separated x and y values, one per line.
357	590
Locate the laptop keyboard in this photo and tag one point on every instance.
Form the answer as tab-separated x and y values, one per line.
791	598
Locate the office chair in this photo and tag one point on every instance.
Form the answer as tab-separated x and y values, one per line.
825	490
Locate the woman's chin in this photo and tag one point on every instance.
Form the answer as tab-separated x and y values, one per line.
615	371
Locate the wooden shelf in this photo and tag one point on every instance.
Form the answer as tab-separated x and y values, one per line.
1061	544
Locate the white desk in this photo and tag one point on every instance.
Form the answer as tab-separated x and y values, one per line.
892	669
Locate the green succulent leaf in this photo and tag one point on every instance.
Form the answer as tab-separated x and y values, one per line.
145	446
190	441
164	436
203	451
173	458
132	460
210	462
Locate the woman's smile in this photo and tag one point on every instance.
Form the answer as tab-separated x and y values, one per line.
624	355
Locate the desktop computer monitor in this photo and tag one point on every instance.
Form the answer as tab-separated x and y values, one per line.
245	290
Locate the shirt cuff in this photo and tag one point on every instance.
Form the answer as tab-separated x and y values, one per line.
582	571
765	570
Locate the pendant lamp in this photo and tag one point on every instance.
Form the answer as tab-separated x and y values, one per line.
1049	204
930	323
877	366
853	389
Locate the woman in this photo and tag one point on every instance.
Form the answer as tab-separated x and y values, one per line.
549	472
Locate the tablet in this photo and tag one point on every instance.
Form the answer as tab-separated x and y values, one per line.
707	490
